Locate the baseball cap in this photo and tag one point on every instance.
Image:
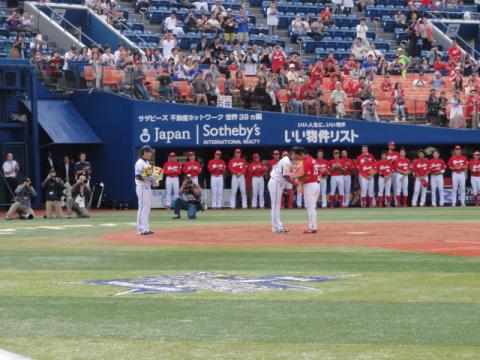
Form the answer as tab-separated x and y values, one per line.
172	154
146	148
190	153
391	143
255	155
458	147
336	151
291	65
238	150
218	152
276	152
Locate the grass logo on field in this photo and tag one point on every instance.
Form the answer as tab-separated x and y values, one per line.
171	284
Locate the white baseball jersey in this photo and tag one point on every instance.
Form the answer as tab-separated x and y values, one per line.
144	194
139	167
280	169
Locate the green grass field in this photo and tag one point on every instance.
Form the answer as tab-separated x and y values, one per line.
400	305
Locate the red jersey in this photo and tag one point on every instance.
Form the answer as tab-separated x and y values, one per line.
366	169
336	167
348	166
392	156
278	60
472	105
310	174
361	158
458	163
217	167
437	166
474	167
317	74
237	166
257	168
192	167
271	164
384	168
454	52
421	167
320	165
172	168
402	165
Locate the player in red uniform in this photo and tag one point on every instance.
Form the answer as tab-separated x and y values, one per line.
322	171
361	158
349	170
458	164
384	168
238	167
474	166
420	170
217	169
336	169
172	169
257	169
366	173
392	156
192	167
437	169
275	158
402	168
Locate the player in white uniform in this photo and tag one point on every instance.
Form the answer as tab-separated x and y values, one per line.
144	191
279	172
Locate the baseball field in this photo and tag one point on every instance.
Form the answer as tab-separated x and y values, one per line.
372	284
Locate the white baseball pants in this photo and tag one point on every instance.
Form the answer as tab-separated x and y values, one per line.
322	190
436	182
310	192
421	190
275	189
366	186
402	185
458	183
238	182
171	185
347	188
384	186
475	180
144	195
216	184
258	191
299	200
337	183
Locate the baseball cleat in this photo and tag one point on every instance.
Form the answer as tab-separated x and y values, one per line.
176	217
310	231
283	230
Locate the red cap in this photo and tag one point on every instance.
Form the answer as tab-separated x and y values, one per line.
238	150
284	153
458	147
172	154
191	153
276	152
218	152
336	151
391	143
255	155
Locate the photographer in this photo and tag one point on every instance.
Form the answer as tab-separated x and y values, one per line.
79	199
189	199
53	187
22	205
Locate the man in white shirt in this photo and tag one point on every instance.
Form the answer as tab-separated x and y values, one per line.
144	191
70	55
171	23
217	8
201	5
168	44
377	54
107	57
362	29
338	97
11	170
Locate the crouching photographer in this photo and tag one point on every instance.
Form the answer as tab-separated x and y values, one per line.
53	187
22	204
189	199
79	198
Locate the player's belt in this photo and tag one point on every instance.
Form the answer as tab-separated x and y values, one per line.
172	176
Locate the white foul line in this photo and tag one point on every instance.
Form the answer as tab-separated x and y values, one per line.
6	355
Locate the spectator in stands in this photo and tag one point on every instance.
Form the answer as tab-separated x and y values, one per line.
358	93
84	54
369	68
387	85
18	50
467	65
399	102
214	22
79	199
200	5
272	18
349	64
142	6
433	108
297	28
250	63
428	39
454	52
382	68
14	21
26	22
70	55
420	82
39	43
377	54
228	26
217	8
348	6
457	117
53	187
337	6
310	99
168	44
317	29
22	203
295	96
413	34
359	49
473	108
433	55
470	86
326	16
97	69
369	109
362	30
437	80
260	95
400	20
242	26
338	97
140	90
199	90
458	83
